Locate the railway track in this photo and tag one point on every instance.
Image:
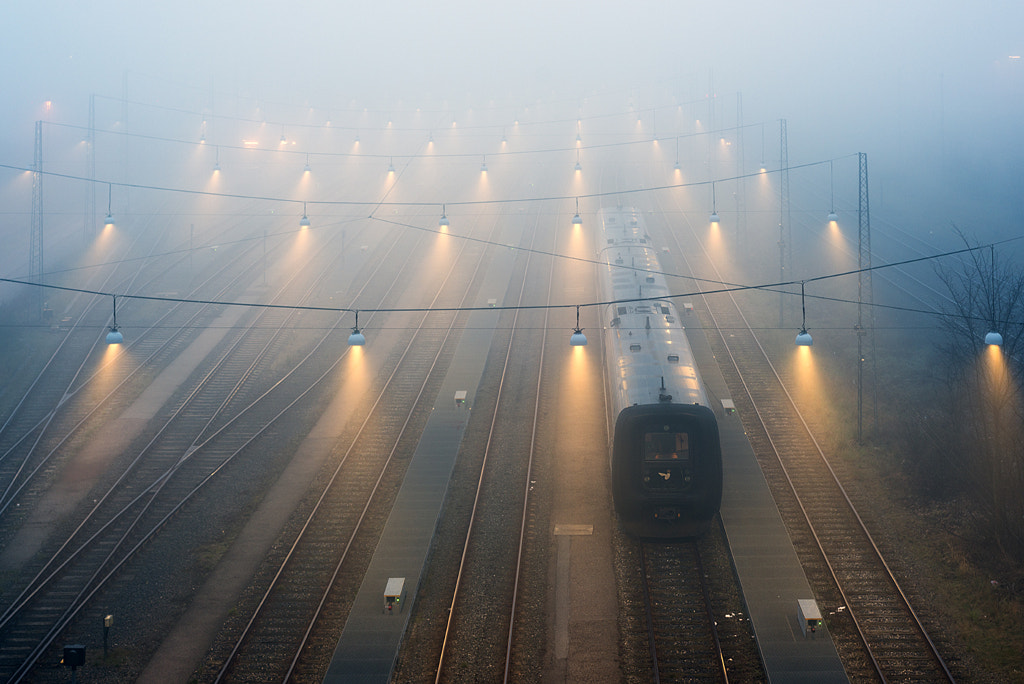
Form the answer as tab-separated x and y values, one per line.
73	394
179	459
292	630
681	628
491	564
851	577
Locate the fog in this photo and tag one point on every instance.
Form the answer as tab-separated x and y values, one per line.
933	93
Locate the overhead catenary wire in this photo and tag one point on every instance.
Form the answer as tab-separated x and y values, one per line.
721	290
448	112
424	203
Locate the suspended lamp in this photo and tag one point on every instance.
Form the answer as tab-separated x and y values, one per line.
764	167
356	339
577	220
832	215
992	338
444	218
714	204
304	221
577	339
803	338
109	220
114	336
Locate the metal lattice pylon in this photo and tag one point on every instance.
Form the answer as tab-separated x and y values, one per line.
741	190
35	241
89	221
785	248
864	291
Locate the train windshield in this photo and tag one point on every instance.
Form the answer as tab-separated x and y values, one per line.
667	446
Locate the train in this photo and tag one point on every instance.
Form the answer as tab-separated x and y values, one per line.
666	456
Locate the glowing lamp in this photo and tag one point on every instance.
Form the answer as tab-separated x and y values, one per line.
483	168
803	338
833	216
578	339
306	169
444	221
304	221
356	339
677	167
577	221
578	167
994	339
109	221
114	336
714	217
391	167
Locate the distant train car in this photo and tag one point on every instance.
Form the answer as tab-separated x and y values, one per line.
666	459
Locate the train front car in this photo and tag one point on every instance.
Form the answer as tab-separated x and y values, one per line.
666	461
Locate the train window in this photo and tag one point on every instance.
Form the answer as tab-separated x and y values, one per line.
664	309
670	319
611	241
673	358
634	347
650	279
667	446
622	311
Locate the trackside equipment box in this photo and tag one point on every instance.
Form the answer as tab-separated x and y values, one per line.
809	616
393	593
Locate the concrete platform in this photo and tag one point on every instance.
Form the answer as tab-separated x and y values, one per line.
369	643
769	571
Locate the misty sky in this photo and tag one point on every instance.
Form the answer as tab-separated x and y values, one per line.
879	76
810	51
